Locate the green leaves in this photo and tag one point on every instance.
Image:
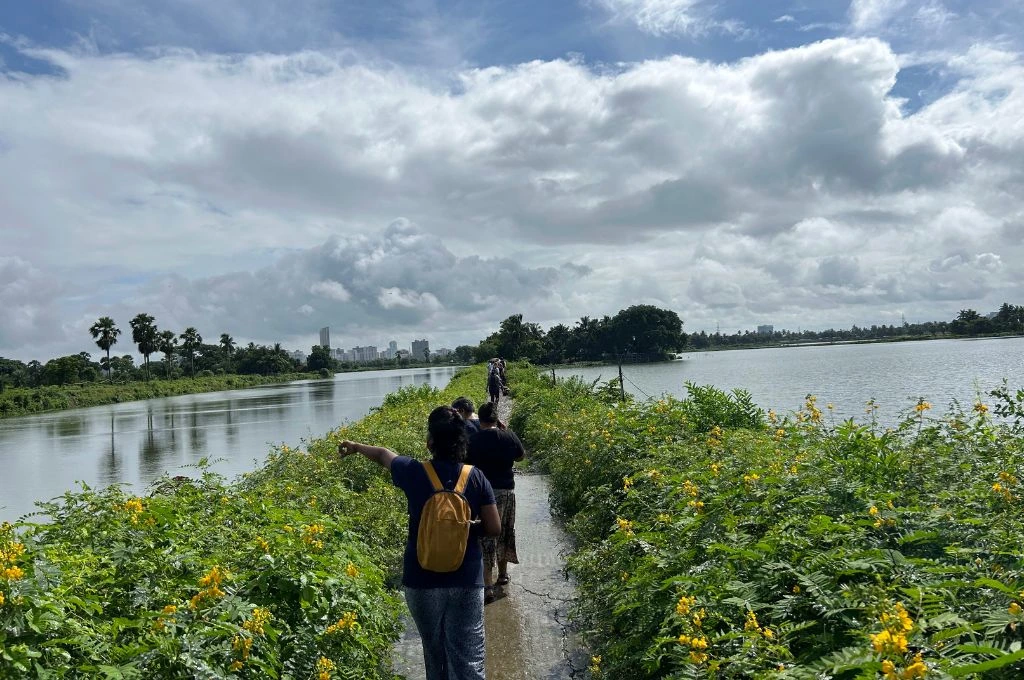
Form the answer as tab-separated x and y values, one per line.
817	528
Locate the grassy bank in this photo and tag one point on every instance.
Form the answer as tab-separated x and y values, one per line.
25	401
288	572
718	541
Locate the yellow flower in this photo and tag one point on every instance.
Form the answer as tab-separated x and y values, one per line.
699	643
888	643
684	639
751	623
1	599
351	571
873	511
684	605
889	670
698	657
348	621
169	609
664	518
324	667
981	408
1014	609
625	526
627	483
768	633
922	406
13	573
796	589
235	666
260	618
262	544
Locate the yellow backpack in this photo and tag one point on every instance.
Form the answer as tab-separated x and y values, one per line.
444	524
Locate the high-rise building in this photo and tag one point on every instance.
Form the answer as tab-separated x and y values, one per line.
325	337
364	354
766	329
420	349
392	350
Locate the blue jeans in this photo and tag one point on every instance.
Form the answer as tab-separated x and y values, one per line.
451	625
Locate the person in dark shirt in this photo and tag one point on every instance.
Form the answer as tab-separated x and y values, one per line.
448	608
464	405
495	450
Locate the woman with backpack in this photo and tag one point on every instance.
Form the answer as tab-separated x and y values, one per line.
451	505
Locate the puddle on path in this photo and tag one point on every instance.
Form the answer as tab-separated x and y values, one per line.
527	632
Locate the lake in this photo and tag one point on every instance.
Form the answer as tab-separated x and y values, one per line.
896	375
44	455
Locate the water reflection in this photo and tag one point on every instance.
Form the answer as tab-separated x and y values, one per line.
42	456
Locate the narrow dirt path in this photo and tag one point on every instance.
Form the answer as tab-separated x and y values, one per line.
527	630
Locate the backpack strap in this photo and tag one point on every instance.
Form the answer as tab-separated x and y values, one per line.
460	486
432	476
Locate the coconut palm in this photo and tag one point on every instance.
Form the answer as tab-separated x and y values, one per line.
145	335
227	343
105	333
190	341
168	343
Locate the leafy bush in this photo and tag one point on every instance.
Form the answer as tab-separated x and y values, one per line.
716	541
288	572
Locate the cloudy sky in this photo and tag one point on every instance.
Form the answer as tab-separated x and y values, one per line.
424	168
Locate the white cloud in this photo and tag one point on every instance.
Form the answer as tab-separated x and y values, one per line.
788	181
784	19
668	17
866	15
331	290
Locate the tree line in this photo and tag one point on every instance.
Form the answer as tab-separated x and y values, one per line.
1008	320
638	333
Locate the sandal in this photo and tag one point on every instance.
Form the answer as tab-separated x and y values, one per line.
502	580
488	594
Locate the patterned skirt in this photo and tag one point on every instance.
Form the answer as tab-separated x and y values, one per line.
502	547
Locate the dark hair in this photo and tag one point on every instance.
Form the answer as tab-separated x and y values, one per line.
463	404
448	439
488	413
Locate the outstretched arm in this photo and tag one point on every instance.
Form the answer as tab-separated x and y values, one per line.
377	454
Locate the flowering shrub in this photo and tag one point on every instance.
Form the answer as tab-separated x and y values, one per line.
288	572
714	540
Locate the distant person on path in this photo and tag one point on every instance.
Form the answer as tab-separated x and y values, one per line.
501	374
494	384
448	607
465	407
495	450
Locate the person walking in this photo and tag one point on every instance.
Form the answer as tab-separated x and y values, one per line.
446	603
495	450
494	384
465	407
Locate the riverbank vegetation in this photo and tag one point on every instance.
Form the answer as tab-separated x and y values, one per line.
714	540
25	401
288	572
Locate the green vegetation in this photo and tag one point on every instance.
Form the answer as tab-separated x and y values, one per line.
1007	320
287	573
24	401
714	540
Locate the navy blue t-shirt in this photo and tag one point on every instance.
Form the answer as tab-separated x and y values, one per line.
409	475
472	427
495	452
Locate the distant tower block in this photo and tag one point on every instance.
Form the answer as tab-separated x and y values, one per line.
325	337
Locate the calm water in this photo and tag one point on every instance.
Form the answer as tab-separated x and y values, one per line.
894	374
45	455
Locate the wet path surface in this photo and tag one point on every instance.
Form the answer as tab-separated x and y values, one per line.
527	627
527	631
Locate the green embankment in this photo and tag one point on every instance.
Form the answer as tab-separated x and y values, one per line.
714	540
23	401
289	572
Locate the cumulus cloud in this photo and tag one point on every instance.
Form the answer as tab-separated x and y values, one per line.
792	180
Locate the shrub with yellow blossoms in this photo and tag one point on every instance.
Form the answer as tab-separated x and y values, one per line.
210	586
349	621
324	668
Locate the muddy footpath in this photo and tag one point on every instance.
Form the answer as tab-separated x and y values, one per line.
526	627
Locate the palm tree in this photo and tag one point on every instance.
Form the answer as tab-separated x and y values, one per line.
168	343
190	340
228	344
144	334
105	333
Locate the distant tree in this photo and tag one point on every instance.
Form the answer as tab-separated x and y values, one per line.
105	333
464	354
227	343
145	335
190	341
319	357
167	344
647	330
557	343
